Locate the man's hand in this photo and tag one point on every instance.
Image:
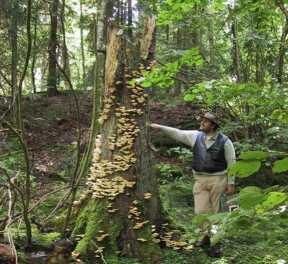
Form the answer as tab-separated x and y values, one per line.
230	189
153	125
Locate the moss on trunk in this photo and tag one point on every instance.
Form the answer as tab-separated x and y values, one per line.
98	229
95	223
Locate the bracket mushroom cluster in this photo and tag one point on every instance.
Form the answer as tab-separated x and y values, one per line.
106	176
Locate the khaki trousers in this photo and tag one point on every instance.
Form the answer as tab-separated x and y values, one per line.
207	191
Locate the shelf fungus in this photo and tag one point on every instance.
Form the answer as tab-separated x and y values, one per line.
101	237
147	196
141	239
107	177
110	187
133	212
140	225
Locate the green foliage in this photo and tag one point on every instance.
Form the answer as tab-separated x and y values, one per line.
173	11
278	135
174	257
249	235
46	240
177	202
280	115
241	109
280	166
251	161
273	199
254	155
250	197
42	240
200	219
169	172
184	154
244	169
164	75
12	161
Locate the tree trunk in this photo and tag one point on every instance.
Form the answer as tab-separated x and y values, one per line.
65	54
14	55
34	49
94	129
123	188
130	19
236	51
211	39
26	196
167	29
176	90
52	60
258	65
82	43
282	48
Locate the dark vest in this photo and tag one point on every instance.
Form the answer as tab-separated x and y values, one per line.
212	159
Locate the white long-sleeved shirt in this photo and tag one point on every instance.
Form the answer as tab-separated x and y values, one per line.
188	137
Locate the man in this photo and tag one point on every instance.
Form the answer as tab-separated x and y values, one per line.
213	152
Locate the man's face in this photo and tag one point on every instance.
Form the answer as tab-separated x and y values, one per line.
206	125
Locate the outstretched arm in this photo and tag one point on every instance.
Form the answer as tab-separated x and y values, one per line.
187	137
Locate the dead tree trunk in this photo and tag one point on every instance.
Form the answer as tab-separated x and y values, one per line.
123	202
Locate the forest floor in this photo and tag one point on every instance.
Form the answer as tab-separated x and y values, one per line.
51	136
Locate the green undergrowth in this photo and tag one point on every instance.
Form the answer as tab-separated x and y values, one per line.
248	239
43	241
168	172
92	222
242	251
46	240
258	233
177	201
12	160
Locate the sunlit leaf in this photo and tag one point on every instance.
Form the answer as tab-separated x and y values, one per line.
280	166
254	155
250	197
273	199
244	168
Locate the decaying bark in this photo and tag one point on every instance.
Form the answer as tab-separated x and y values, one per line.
148	43
123	204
